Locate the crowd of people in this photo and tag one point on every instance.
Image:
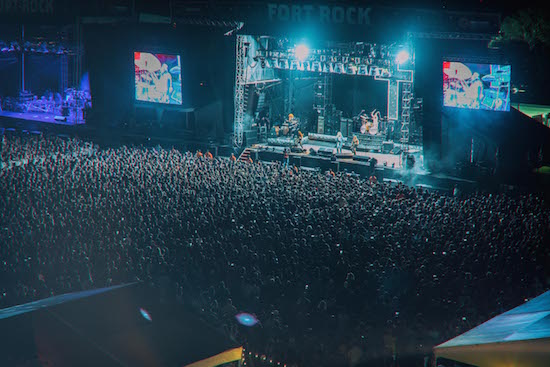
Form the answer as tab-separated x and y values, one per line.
338	270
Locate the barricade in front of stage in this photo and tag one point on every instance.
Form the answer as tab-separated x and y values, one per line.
320	163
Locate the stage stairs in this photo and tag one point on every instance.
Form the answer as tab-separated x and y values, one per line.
245	155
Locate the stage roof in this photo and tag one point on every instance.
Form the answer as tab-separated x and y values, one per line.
531	109
127	325
519	337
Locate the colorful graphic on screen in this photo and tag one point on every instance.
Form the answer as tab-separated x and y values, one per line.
157	78
476	86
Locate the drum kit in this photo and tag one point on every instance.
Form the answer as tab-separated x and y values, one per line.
370	126
285	129
290	126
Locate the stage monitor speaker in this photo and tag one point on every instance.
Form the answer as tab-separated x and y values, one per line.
321	125
325	152
344	155
361	158
60	118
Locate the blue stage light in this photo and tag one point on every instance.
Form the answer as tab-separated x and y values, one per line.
246	319
301	52
402	57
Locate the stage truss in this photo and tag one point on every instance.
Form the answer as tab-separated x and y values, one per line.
240	84
254	60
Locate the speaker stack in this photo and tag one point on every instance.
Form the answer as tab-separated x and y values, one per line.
321	125
346	126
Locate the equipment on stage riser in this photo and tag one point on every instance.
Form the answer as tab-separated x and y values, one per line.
325	152
322	137
282	141
344	156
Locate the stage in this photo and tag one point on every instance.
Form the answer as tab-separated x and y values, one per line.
386	153
40	117
386	167
383	159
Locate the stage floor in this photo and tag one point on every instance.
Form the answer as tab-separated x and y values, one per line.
384	159
389	166
39	117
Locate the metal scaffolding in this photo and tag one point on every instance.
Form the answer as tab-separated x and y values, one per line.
240	82
406	101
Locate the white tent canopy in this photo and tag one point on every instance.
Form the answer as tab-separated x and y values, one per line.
518	338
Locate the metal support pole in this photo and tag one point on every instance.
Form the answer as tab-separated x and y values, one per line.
22	58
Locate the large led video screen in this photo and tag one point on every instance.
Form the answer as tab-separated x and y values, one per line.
476	86
157	78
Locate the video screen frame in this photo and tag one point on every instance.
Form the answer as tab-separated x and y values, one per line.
476	86
157	78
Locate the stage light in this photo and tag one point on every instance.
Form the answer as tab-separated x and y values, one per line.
402	57
301	52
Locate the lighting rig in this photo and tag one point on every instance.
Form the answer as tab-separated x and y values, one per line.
357	58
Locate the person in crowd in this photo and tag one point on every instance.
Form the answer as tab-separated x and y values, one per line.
336	268
286	158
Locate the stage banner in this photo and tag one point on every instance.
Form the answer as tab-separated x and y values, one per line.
365	22
336	21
